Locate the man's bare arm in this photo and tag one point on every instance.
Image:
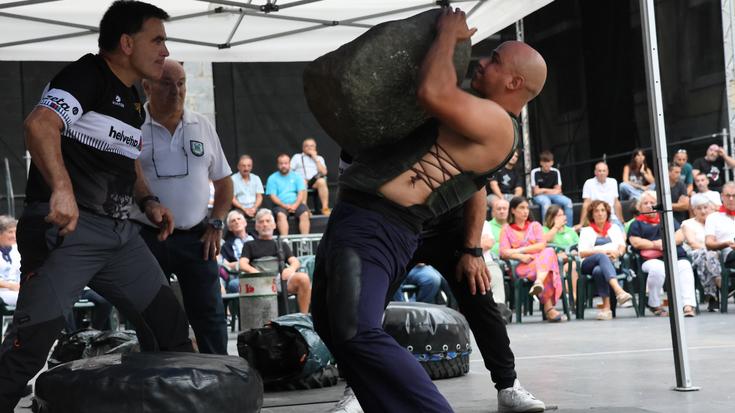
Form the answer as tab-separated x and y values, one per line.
258	200
43	140
479	120
619	210
496	189
222	198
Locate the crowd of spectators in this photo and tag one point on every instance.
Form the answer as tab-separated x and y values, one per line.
703	206
546	252
286	188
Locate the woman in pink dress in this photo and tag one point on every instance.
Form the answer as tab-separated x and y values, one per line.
523	240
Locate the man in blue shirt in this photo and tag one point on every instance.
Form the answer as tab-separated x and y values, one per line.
287	191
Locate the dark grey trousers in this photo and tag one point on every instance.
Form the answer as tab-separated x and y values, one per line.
106	254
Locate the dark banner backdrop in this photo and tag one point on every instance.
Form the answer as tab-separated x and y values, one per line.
262	112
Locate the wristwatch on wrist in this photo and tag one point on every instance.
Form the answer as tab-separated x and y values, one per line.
474	251
145	199
216	223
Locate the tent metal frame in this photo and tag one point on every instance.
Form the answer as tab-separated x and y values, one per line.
267	10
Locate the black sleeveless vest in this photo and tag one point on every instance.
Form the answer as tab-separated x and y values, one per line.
376	166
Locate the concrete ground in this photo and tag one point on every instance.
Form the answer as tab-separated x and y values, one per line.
624	365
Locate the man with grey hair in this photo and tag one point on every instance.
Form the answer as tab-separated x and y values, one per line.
181	154
266	247
10	264
719	229
247	187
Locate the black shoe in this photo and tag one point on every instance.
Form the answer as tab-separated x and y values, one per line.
712	304
27	391
506	313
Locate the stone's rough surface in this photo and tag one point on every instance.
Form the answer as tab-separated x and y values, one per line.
364	93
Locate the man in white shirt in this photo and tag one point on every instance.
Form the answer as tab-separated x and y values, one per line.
247	188
181	153
701	183
605	189
719	229
312	168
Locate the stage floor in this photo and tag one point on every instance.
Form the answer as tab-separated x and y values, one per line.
624	365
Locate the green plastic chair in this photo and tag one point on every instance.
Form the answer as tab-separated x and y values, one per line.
585	286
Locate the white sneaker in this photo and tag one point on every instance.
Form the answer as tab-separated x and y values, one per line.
348	403
518	399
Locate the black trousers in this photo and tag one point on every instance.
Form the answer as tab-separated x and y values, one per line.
481	311
181	254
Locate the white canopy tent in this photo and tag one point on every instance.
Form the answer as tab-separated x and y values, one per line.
231	31
302	30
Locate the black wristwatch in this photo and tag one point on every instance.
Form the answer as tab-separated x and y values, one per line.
145	199
474	251
216	224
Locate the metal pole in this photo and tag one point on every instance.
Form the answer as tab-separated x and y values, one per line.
524	126
732	144
660	156
728	46
9	189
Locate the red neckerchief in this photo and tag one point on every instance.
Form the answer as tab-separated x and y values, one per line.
727	211
601	231
517	228
649	218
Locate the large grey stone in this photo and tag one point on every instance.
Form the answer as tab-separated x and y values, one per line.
364	93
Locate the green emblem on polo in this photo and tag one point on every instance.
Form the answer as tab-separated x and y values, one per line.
197	148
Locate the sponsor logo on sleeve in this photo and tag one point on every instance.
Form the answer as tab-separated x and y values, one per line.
58	103
122	137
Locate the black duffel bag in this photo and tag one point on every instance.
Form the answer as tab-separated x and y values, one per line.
289	354
438	336
150	382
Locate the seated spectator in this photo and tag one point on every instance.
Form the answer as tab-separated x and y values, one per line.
10	262
601	245
499	213
231	249
701	183
706	262
546	187
713	165
602	188
288	192
679	197
488	242
265	246
645	236
558	232
523	240
428	281
313	170
506	183
246	187
637	176
681	158
719	228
